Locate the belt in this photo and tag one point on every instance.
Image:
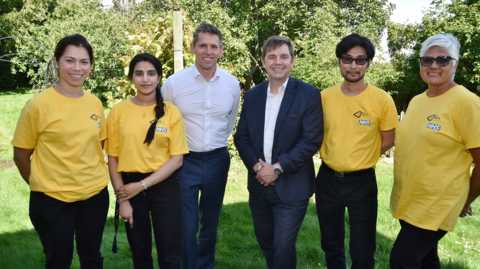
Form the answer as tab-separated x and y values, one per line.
193	154
346	174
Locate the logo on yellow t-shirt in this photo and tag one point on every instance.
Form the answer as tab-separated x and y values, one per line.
161	129
433	117
434	126
95	117
159	121
358	114
364	122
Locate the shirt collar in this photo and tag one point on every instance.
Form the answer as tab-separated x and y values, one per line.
281	89
196	73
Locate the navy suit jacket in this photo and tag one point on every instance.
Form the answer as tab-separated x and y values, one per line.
298	136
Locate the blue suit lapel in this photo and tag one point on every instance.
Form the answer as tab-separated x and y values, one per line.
260	112
288	97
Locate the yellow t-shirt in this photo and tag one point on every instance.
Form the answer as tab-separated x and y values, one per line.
352	127
67	163
432	161
127	129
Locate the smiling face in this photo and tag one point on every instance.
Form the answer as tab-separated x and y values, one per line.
435	75
278	63
73	66
145	78
354	72
207	50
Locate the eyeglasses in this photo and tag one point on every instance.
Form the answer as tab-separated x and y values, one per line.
442	61
349	60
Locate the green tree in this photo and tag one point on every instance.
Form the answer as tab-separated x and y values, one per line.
462	19
39	21
315	26
154	35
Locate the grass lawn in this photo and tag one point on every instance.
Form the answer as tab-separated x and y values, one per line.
11	103
237	246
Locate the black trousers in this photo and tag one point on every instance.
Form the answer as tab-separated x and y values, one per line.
358	193
276	227
57	223
416	248
162	203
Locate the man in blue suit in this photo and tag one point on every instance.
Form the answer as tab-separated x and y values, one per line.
280	129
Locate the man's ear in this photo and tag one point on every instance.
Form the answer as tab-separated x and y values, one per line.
192	48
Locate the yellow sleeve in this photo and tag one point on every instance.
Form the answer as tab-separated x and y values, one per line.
389	118
111	146
178	143
468	118
27	131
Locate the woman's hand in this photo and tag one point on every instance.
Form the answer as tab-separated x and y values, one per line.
467	210
126	212
128	191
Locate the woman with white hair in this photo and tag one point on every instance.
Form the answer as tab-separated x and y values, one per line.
436	143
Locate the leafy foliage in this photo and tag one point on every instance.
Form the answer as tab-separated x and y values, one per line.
153	35
315	26
47	21
462	19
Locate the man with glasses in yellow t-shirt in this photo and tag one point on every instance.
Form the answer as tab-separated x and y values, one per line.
360	121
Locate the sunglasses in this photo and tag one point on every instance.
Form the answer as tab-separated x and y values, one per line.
442	61
349	60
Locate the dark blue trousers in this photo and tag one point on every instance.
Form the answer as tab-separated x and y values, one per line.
416	248
205	173
358	192
58	223
276	227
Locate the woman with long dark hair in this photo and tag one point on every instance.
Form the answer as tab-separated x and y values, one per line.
145	147
62	129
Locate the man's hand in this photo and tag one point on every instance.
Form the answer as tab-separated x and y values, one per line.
256	166
266	176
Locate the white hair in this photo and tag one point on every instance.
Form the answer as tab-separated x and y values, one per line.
446	41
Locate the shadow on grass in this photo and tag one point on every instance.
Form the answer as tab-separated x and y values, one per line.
237	246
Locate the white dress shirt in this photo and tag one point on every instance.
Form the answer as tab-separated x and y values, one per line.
274	101
209	108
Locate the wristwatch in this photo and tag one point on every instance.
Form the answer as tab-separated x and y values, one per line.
277	169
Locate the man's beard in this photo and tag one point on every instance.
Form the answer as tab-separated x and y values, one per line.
353	80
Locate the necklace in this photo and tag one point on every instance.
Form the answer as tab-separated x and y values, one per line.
136	102
144	111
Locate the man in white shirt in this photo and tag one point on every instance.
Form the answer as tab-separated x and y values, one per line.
208	98
280	129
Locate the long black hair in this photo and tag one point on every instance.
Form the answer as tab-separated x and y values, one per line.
159	108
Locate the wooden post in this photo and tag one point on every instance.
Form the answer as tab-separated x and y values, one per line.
177	41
